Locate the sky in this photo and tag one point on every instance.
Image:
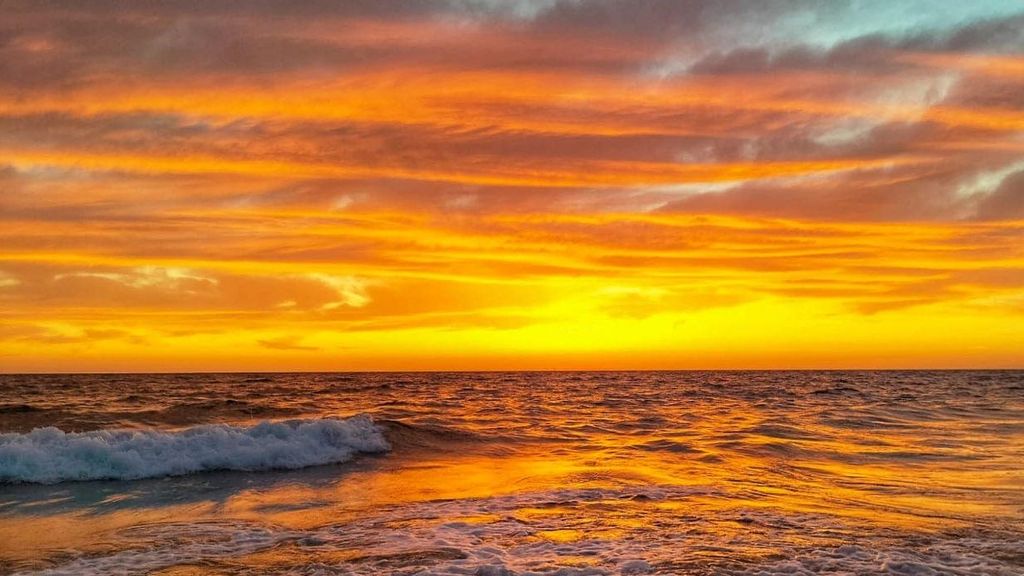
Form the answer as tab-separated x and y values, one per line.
543	184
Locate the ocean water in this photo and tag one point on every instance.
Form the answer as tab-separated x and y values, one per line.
911	473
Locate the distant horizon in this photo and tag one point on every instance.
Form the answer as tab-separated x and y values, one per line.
511	371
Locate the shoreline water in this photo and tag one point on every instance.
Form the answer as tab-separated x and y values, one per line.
610	473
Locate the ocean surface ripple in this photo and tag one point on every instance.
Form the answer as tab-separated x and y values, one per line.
567	473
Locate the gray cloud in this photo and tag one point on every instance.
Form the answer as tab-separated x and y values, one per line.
1006	202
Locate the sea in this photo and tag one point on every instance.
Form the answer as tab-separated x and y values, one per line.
914	473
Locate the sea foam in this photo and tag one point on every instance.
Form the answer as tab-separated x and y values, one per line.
50	455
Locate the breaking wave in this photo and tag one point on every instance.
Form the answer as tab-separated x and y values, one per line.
50	455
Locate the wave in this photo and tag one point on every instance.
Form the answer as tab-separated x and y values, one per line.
19	408
435	438
405	435
188	413
50	455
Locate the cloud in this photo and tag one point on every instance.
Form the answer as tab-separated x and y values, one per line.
64	335
1006	202
168	278
7	280
870	53
288	343
204	174
350	291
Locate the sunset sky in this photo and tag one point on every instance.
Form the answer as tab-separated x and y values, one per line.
542	184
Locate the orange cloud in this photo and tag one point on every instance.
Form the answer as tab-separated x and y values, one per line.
507	186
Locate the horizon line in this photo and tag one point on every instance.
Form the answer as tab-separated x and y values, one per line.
506	371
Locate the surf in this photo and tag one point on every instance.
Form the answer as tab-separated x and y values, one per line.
50	455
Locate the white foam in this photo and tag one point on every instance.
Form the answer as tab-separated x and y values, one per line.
50	455
961	557
176	544
492	537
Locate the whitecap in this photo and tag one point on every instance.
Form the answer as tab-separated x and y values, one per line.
50	455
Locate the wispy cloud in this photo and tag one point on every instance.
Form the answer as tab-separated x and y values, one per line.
323	176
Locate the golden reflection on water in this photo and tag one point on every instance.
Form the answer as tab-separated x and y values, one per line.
740	483
735	482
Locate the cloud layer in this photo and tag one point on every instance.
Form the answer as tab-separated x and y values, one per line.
522	184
